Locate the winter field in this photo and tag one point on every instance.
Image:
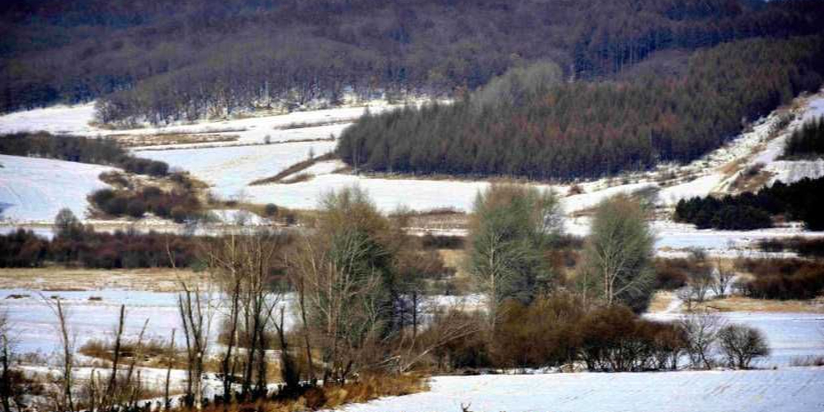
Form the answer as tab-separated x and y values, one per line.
36	189
783	390
774	386
234	153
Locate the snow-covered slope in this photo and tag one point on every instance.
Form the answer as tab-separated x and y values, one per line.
33	189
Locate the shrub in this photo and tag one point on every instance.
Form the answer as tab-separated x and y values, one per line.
741	344
544	333
782	278
270	210
136	208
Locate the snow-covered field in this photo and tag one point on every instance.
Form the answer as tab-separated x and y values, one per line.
229	170
783	390
34	189
230	166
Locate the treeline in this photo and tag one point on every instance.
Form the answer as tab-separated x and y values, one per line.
169	60
807	141
798	201
542	129
79	149
75	244
783	278
176	204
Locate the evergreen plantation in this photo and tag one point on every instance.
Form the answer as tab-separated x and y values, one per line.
544	129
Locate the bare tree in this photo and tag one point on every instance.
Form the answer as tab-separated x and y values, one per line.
741	344
345	274
701	329
6	386
65	401
700	280
196	311
510	229
724	276
170	361
619	252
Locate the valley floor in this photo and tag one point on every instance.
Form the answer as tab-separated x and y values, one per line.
782	390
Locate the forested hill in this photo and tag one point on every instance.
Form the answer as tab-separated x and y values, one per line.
164	60
530	123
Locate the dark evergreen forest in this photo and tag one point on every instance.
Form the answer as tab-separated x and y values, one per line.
800	201
165	60
529	123
807	141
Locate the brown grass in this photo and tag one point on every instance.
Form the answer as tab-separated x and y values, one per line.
298	178
365	389
61	279
144	140
744	304
660	300
295	168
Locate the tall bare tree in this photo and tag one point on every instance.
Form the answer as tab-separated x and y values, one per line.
510	229
619	252
196	313
65	401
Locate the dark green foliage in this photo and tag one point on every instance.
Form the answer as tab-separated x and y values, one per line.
79	149
808	141
799	201
168	59
580	129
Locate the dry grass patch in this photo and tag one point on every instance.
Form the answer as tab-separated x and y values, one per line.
365	389
660	301
61	279
745	304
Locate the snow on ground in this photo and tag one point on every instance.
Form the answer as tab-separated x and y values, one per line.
784	390
33	189
230	169
789	335
388	194
56	119
79	120
793	171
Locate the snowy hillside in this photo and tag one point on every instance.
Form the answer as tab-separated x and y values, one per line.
34	189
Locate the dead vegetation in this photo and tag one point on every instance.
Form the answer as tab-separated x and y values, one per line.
291	170
163	139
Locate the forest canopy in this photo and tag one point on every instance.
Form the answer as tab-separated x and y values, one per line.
168	60
541	128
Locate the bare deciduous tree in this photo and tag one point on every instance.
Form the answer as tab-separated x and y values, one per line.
724	276
619	252
196	311
741	344
64	402
701	329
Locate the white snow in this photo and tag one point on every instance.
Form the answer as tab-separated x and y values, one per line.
230	169
784	390
33	189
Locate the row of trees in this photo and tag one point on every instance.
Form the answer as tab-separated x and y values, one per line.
528	124
75	244
807	141
161	61
357	295
178	205
747	211
79	149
